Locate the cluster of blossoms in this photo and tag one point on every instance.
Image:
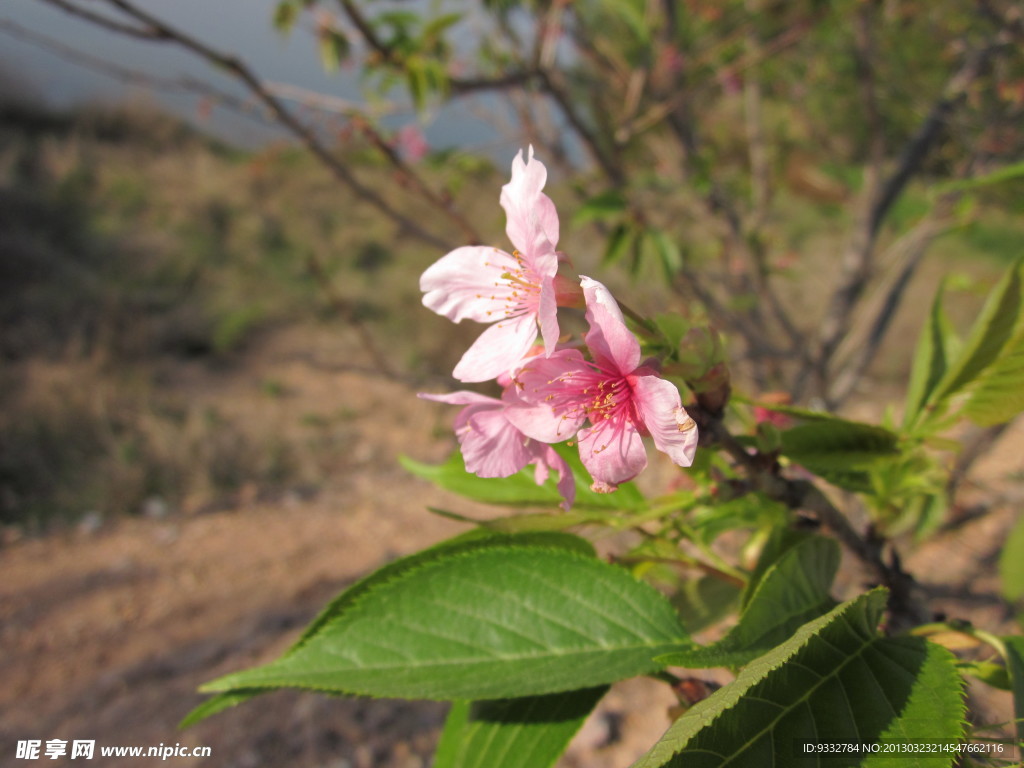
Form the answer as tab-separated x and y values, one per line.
606	399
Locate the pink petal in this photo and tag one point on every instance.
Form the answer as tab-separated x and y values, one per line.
663	415
540	378
491	446
461	284
613	452
532	224
566	482
608	338
547	316
462	397
498	349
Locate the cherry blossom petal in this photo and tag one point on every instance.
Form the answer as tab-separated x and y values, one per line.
663	415
538	379
610	341
547	316
498	349
462	397
491	446
532	221
613	452
462	284
548	459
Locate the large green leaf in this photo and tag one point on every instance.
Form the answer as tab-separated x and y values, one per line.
931	359
513	733
839	445
494	622
1011	563
1015	666
836	680
794	590
467	542
521	489
996	325
998	394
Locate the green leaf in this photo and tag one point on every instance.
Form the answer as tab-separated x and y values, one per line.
1014	646
931	359
999	176
513	733
998	394
837	444
285	15
602	207
793	591
521	489
467	542
494	622
705	601
835	680
996	325
334	49
988	672
619	241
669	257
1011	563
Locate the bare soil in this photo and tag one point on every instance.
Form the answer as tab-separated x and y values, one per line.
107	629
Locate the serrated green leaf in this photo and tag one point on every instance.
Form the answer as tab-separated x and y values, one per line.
835	680
521	489
931	359
461	627
1011	563
1014	646
513	733
837	444
998	394
466	542
997	323
704	601
794	590
781	539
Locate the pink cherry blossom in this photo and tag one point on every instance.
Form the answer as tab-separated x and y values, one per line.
515	292
622	399
493	447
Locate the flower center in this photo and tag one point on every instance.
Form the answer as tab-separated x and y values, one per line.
519	287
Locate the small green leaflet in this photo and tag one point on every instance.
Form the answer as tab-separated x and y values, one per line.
837	679
521	489
1000	320
1011	563
513	733
459	627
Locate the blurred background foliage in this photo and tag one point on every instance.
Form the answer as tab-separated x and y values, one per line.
778	170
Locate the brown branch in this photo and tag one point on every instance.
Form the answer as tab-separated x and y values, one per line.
469	232
106	22
163	32
905	604
857	265
914	246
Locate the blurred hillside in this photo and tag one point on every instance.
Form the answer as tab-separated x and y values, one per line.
143	269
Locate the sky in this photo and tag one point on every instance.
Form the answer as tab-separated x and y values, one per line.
241	27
